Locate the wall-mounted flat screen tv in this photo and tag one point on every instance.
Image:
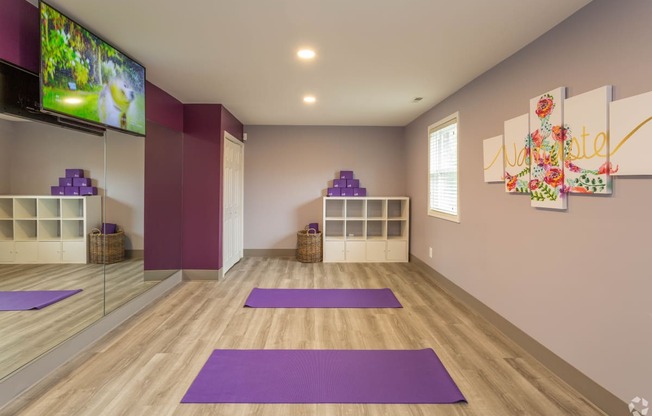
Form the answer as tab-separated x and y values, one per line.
84	78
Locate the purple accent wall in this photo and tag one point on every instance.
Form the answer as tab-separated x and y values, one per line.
204	127
163	197
19	33
202	182
162	108
231	124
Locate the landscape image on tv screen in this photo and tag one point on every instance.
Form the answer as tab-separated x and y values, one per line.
86	78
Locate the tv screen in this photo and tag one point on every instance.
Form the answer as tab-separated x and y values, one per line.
84	78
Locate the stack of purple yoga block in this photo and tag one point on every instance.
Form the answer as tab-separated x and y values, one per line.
74	184
346	185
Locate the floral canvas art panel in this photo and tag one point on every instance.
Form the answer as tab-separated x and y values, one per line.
492	150
630	124
586	143
516	154
546	150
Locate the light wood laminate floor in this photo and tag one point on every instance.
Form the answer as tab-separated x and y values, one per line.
145	366
26	335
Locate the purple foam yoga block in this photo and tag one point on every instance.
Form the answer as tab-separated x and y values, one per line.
87	190
314	226
57	190
74	173
347	192
81	182
65	181
359	191
346	174
334	191
108	228
339	183
352	183
71	190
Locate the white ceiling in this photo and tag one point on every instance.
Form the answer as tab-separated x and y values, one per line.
373	56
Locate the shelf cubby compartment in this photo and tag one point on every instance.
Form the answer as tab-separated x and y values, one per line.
6	208
25	230
375	229
375	208
72	208
355	229
49	208
334	208
355	208
49	230
6	230
72	230
396	208
396	229
334	229
25	208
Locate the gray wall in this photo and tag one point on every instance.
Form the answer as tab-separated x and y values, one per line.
287	171
578	281
40	154
6	132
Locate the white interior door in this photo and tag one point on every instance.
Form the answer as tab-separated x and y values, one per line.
232	226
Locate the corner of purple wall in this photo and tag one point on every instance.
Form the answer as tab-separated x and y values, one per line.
162	108
19	34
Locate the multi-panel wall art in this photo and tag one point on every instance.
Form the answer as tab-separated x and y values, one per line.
571	145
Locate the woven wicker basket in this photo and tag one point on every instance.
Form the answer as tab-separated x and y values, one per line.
107	248
309	246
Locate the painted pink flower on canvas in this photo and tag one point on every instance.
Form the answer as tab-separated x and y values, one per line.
545	106
534	184
606	168
572	167
554	177
537	138
559	133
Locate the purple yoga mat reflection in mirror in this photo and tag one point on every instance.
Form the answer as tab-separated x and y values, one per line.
24	300
323	376
322	298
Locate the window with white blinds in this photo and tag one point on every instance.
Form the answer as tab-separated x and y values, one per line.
442	169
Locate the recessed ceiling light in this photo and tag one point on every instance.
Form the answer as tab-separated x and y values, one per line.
306	54
309	99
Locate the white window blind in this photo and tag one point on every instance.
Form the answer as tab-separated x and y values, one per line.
442	171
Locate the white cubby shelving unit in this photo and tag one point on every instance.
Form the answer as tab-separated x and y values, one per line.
47	229
366	229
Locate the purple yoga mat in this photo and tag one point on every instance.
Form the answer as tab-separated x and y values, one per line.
322	298
323	376
32	299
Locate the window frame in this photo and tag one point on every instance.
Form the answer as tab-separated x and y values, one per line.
443	123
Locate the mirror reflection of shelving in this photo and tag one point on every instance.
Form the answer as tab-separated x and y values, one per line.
47	229
49	208
72	208
25	208
72	230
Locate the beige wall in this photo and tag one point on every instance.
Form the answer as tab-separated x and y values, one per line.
578	281
287	171
6	132
125	185
40	154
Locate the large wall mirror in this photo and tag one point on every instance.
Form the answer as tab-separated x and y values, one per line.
44	239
